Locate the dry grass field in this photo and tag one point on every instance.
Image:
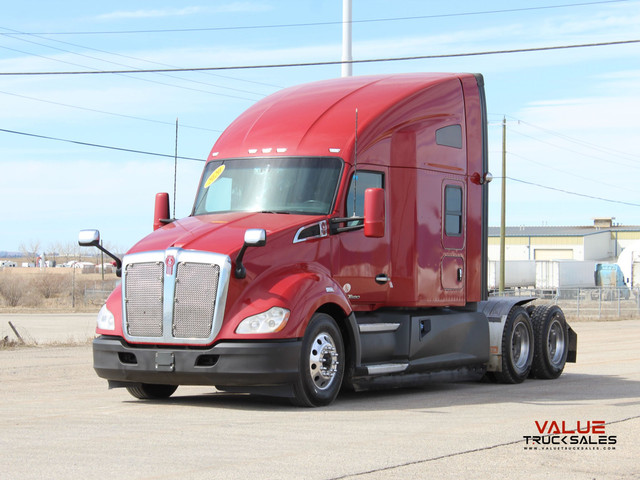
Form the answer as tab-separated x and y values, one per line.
61	290
53	289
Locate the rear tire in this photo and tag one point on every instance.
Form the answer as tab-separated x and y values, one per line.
551	342
322	362
149	391
517	347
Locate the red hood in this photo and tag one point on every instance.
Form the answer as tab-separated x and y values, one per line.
220	233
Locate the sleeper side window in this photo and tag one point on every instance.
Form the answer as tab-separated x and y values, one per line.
453	211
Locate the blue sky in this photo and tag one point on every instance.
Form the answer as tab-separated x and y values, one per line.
572	121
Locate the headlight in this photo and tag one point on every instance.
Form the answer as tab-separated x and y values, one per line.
273	320
105	319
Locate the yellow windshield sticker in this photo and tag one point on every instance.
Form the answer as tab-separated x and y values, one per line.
214	176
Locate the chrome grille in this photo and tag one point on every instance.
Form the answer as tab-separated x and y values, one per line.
174	296
194	299
143	298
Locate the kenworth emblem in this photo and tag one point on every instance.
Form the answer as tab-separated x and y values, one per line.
170	262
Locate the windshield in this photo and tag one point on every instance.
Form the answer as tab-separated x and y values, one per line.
301	185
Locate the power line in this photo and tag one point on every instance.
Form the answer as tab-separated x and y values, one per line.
122	115
13	32
321	24
577	141
155	154
96	145
235	79
126	73
592	197
572	174
574	151
335	62
164	155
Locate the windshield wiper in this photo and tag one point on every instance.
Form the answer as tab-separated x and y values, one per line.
275	211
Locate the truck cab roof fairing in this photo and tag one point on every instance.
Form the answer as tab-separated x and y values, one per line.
311	118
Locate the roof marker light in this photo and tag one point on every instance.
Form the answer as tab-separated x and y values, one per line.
253	150
281	150
215	154
334	150
267	150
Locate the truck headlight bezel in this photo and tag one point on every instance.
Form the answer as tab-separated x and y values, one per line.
270	321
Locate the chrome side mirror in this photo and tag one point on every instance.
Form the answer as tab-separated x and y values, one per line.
91	238
253	237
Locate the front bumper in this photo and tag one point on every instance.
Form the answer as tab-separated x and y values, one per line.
228	364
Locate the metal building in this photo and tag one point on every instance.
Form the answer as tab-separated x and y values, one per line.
602	242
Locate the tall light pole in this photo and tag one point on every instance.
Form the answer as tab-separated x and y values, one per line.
503	204
346	38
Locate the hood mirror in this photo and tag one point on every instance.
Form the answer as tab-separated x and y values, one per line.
253	237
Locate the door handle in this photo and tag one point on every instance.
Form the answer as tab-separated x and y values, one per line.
382	279
460	274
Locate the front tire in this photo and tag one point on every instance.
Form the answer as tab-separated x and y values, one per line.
149	391
322	362
517	347
551	342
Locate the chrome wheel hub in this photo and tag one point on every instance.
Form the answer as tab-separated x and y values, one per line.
520	346
556	343
323	361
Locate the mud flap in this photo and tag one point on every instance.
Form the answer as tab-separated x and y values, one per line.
572	352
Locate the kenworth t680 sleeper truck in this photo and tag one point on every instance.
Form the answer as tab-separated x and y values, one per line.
338	239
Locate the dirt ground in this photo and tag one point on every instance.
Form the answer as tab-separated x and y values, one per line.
47	329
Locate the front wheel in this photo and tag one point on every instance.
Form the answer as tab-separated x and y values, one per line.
517	347
149	391
321	363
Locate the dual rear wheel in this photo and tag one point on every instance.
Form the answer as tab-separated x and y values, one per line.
551	341
533	346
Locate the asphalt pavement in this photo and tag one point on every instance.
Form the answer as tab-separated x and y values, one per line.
59	420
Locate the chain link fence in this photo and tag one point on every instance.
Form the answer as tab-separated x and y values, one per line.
96	294
586	303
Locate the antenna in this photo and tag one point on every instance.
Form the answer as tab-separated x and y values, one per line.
355	170
175	171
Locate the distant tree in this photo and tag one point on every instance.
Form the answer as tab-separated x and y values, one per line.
30	251
66	251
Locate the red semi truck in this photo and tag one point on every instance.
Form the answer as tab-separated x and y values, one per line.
338	239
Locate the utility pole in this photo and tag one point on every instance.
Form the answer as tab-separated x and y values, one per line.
504	203
102	263
175	172
346	38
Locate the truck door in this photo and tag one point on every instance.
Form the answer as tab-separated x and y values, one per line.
362	265
453	263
